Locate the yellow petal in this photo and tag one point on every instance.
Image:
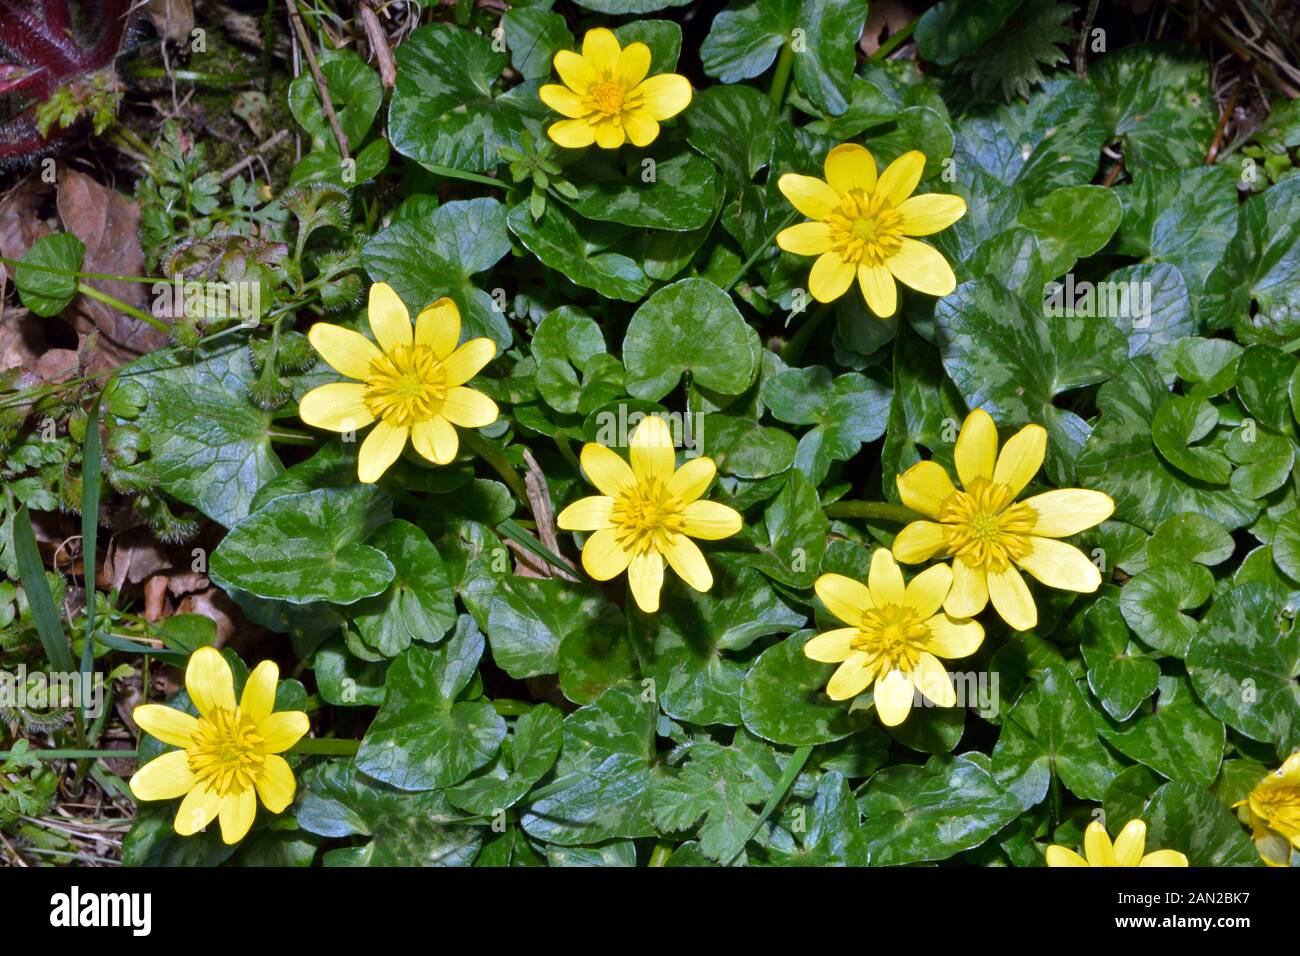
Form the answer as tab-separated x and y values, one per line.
894	693
922	267
1069	511
925	487
664	96
900	177
338	407
926	592
919	541
168	724
926	215
951	638
606	470
710	521
438	327
850	166
1061	565
833	647
692	479
380	449
1021	457
1164	858
641	128
852	677
645	574
1096	845
237	812
562	99
603	557
1130	843
435	440
389	320
830	277
275	784
931	679
684	557
884	579
209	681
469	408
196	811
575	71
572	133
970	591
805	238
609	135
600	49
258	699
651	450
1060	856
586	514
879	290
810	195
282	730
844	597
633	64
468	360
977	447
164	778
1011	598
349	353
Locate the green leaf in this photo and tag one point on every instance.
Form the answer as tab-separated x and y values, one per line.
834	834
48	293
691	325
1154	600
954	29
307	547
914	814
1117	672
534	746
558	241
533	35
717	788
423	738
1186	818
783	698
1189	537
1244	660
824	66
355	93
1072	223
663	37
425	259
847	411
924	403
1179	739
418	605
746	37
1263	377
734	126
619	7
746	449
444	111
1178	424
793	538
405	829
603	783
665	186
1050	731
1264	461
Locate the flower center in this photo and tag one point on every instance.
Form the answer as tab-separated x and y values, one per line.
1279	805
893	635
865	228
985	527
406	386
646	516
608	97
227	753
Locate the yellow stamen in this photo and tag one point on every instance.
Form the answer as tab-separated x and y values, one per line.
893	635
406	386
607	97
646	516
985	527
227	753
865	229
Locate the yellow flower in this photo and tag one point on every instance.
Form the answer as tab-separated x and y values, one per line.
230	752
1273	811
607	97
644	514
413	384
864	226
988	533
895	637
1127	851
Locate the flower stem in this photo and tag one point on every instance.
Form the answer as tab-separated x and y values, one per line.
500	464
326	747
766	244
894	42
452	172
109	277
799	341
872	510
91	292
290	436
660	854
781	77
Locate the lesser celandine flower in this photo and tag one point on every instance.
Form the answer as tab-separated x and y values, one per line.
412	383
863	226
229	754
988	533
895	637
647	514
607	97
1126	851
1272	810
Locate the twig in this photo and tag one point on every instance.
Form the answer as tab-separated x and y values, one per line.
379	43
1217	143
539	499
247	161
1081	51
1113	174
12	851
326	104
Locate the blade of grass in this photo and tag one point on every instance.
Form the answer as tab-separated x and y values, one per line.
517	534
90	491
31	571
792	769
